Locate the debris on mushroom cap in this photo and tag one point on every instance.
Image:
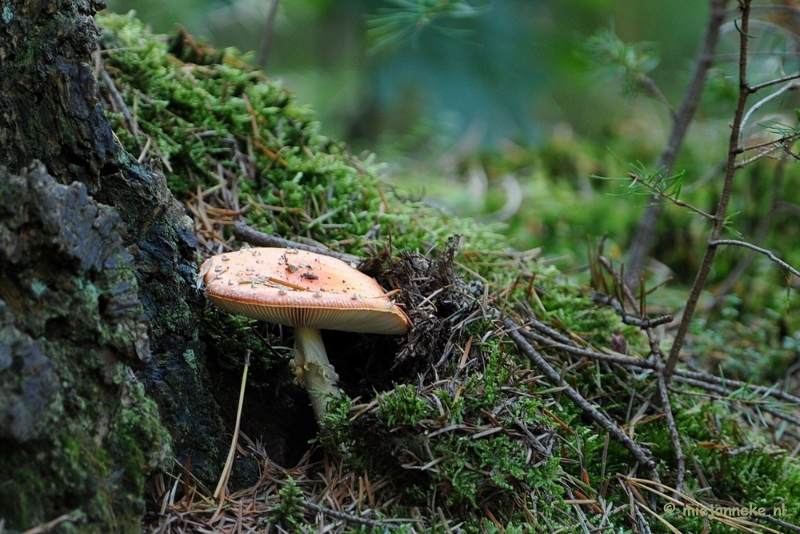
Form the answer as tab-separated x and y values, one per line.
299	288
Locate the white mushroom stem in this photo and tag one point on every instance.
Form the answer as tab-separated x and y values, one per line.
313	369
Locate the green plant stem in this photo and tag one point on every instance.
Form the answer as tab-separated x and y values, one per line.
718	225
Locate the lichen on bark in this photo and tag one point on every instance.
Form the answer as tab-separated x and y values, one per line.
84	435
76	429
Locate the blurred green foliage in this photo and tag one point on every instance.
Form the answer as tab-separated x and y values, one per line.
220	126
506	68
544	195
505	113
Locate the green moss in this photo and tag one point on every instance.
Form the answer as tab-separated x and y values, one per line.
289	506
190	359
747	347
21	493
402	407
472	463
206	118
105	477
203	119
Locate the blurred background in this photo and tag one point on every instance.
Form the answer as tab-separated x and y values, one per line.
504	111
380	72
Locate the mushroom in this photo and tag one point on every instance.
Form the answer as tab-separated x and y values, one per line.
309	292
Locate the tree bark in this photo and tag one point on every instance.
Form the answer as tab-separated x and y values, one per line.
77	434
49	109
87	293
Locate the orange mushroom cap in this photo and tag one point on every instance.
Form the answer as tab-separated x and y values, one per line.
298	288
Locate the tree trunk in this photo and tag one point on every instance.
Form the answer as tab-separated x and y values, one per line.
88	292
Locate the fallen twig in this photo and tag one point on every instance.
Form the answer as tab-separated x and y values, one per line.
726	394
629	319
350	518
727	383
586	353
242	232
118	100
673	430
638	452
647	325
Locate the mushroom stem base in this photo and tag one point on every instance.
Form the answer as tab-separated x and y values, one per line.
313	370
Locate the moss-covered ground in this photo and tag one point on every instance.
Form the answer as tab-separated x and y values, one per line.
453	429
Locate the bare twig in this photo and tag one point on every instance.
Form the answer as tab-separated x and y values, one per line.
350	518
741	450
777	81
780	142
586	353
759	237
133	127
555	334
755	107
266	39
783	524
728	383
629	319
645	232
242	232
767	253
770	148
647	325
601	419
724	200
680	474
726	394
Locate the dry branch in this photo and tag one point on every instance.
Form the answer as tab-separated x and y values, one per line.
641	456
242	232
767	253
645	231
725	197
